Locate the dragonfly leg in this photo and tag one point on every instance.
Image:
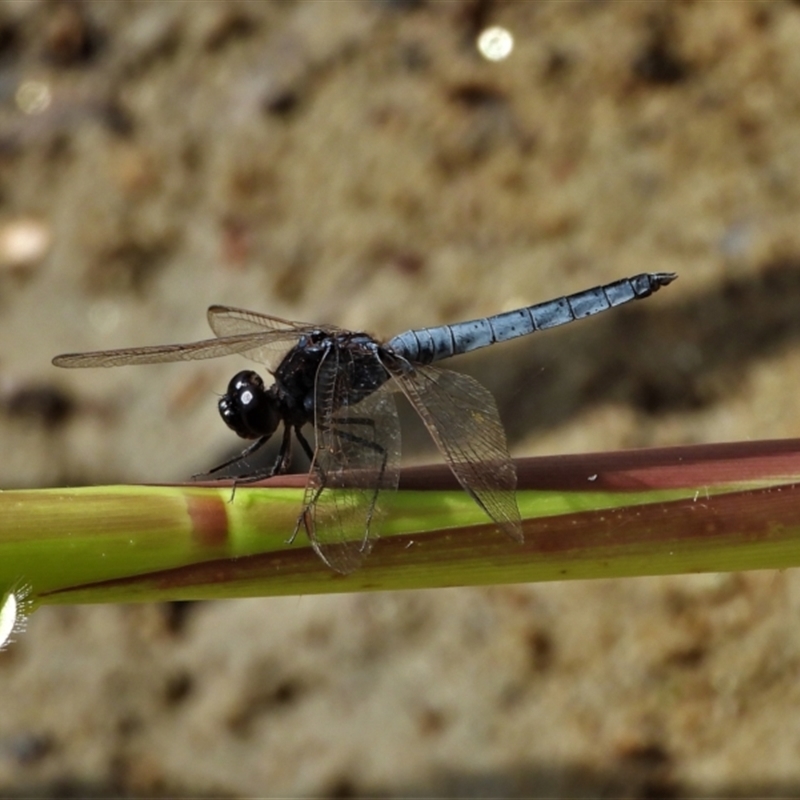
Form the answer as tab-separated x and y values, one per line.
304	444
248	451
278	467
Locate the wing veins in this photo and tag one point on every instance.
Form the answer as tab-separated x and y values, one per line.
190	351
462	418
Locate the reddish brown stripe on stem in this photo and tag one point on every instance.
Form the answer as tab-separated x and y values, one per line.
638	470
750	516
269	566
753	516
209	518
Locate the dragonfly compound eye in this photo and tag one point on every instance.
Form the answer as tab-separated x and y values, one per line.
248	408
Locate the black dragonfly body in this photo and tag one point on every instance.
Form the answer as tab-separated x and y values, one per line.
341	382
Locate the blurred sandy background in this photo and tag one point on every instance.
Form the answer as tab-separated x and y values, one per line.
359	162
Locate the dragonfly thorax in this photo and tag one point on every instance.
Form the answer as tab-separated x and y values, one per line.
249	409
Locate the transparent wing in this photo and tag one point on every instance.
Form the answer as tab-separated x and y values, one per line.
259	337
462	418
247	333
244	344
227	322
357	456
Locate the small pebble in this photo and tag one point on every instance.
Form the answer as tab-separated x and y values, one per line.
24	241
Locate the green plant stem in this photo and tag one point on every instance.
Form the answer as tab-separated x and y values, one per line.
649	512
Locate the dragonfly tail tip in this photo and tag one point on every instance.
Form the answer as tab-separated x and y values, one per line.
663	278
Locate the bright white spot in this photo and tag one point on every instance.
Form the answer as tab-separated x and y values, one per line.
8	617
495	44
593	477
15	608
33	97
247	397
23	241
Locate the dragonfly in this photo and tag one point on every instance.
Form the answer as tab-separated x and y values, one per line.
343	383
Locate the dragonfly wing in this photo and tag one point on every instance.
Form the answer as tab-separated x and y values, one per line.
192	351
274	333
230	321
357	456
461	416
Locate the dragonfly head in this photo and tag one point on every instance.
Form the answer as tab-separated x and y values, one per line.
248	408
